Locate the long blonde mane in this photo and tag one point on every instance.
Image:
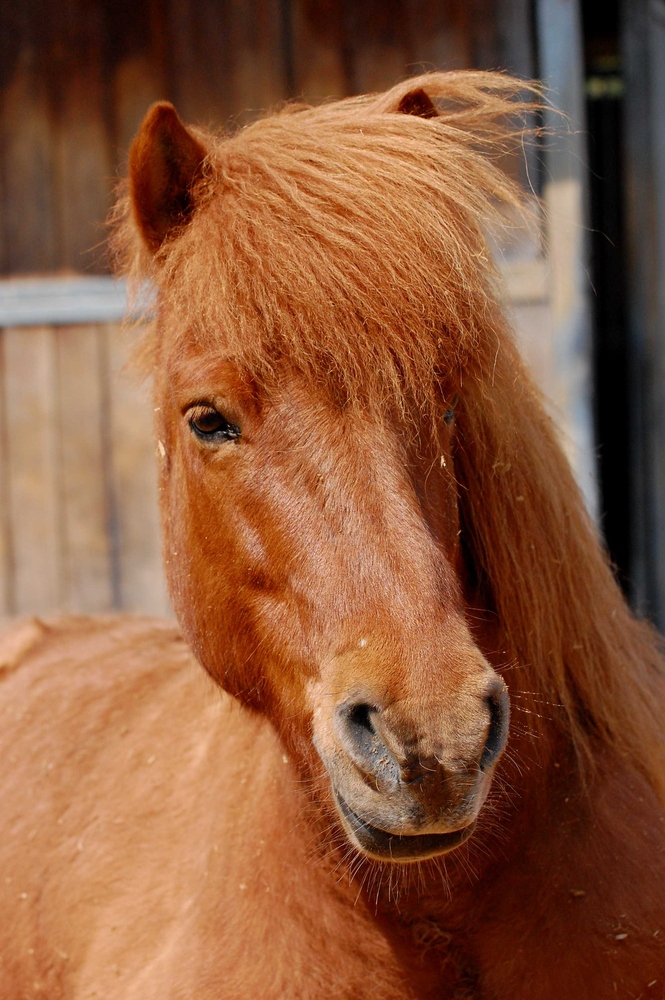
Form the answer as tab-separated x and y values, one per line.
349	240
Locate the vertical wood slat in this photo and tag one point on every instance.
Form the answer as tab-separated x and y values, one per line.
86	572
565	200
136	84
134	482
381	47
340	47
321	45
79	524
28	199
257	80
643	61
32	465
440	34
82	169
227	59
6	562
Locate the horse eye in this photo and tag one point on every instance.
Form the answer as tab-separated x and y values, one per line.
449	415
209	425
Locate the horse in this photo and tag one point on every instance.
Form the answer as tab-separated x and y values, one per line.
424	756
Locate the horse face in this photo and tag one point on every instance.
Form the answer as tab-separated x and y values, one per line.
311	554
311	551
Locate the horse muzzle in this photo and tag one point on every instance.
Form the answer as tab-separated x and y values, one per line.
386	846
406	792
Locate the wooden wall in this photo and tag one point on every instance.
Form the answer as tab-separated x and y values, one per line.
78	502
77	76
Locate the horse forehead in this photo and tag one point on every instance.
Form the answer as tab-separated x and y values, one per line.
192	369
189	365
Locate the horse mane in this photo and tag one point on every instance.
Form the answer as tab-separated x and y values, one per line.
351	240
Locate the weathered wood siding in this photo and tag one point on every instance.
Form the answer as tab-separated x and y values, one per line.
79	526
77	76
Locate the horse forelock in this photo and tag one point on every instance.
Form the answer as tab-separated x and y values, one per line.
349	243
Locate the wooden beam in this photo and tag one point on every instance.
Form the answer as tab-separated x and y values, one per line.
643	57
561	62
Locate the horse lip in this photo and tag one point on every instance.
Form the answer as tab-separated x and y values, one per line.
383	846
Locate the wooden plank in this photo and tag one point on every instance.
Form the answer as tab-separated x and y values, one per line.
6	561
321	49
135	67
341	48
565	199
86	551
28	203
501	36
382	52
440	34
200	45
515	40
227	59
526	279
64	300
532	323
84	171
484	34
133	480
392	40
657	373
32	463
257	80
137	84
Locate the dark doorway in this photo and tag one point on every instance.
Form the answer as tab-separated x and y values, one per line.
604	108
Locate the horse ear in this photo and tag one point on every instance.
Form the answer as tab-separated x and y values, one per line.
165	162
417	102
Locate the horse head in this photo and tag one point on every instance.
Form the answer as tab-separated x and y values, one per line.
310	507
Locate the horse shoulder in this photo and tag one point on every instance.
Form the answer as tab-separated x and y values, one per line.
158	843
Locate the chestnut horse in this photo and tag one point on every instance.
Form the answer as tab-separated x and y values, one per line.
373	543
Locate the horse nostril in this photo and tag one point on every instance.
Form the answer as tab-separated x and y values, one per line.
357	728
360	720
362	742
497	733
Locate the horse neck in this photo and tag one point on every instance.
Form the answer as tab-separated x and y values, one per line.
580	668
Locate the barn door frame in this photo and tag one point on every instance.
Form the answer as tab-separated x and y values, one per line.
566	200
643	57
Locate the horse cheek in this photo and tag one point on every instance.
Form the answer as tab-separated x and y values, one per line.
203	561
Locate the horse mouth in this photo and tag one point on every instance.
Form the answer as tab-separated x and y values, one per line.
383	846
